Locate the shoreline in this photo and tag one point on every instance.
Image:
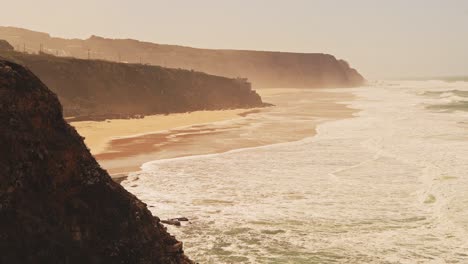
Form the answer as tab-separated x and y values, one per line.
121	152
98	134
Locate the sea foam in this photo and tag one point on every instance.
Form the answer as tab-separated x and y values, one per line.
387	186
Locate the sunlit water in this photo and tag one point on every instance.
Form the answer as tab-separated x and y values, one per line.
387	186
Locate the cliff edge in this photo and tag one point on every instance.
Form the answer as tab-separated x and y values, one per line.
265	69
97	89
56	204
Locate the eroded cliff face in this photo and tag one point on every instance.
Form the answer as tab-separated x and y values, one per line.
56	204
96	89
264	69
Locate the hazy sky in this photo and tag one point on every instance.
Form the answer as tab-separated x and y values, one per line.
381	38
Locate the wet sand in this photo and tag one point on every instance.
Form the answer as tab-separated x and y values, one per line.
122	146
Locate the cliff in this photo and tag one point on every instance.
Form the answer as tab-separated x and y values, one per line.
96	89
56	204
264	69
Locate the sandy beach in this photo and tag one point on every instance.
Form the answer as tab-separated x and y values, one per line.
98	134
122	146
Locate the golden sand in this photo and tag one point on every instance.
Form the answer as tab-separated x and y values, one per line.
98	134
122	146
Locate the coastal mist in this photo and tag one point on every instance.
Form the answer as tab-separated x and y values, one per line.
387	184
234	132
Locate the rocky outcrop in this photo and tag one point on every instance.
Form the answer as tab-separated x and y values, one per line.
5	46
264	69
96	89
56	204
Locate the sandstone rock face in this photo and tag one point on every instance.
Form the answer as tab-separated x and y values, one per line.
263	68
56	204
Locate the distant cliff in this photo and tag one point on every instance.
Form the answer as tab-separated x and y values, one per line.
264	69
95	89
56	204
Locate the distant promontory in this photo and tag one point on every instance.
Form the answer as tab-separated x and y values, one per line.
265	69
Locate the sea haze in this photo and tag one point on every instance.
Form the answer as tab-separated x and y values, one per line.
388	186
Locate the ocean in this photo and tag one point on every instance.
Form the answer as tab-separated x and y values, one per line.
389	185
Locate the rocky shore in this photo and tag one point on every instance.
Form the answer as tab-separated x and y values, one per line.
56	204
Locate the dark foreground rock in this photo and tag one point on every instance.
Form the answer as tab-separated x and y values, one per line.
171	222
56	204
175	221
